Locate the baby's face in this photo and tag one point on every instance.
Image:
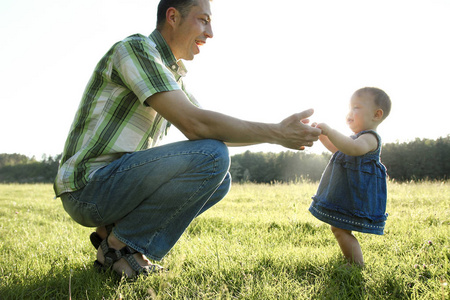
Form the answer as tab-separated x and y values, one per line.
361	113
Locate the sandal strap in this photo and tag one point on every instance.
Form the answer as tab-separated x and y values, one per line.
112	255
133	263
95	238
152	268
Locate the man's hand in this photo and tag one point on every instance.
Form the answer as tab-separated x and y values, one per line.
296	134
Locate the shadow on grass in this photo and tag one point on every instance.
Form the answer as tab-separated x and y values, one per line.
337	280
266	278
341	282
332	280
59	283
271	278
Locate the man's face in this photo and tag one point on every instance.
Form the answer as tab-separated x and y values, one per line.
192	31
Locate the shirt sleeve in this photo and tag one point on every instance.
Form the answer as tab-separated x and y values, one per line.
142	70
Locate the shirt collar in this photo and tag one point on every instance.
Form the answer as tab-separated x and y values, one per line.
167	55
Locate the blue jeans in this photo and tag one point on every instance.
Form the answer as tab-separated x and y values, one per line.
153	195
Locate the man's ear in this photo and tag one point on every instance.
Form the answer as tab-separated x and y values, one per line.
172	16
378	114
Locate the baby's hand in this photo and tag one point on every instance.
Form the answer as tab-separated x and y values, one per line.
324	127
318	125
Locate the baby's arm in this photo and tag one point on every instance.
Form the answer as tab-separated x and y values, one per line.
327	143
360	146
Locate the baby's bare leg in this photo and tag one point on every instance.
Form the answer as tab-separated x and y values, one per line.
349	245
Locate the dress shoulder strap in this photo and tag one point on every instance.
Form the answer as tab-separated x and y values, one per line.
375	134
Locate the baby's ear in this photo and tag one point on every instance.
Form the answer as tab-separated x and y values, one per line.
378	114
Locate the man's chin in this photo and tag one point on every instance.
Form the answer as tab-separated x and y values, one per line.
190	56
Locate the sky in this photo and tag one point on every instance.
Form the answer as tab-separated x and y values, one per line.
266	61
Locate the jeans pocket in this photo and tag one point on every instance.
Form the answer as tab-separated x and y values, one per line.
84	213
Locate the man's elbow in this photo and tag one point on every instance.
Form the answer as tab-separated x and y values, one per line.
192	136
194	131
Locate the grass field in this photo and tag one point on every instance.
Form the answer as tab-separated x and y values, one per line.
260	242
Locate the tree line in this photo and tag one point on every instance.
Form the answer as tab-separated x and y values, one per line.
18	168
421	159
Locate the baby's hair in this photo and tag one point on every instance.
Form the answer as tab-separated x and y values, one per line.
381	99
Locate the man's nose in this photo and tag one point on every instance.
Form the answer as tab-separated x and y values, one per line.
209	32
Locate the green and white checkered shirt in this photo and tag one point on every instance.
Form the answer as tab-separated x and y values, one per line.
113	118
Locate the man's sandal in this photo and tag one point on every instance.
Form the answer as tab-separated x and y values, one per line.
112	256
95	238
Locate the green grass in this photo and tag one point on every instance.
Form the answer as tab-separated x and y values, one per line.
260	242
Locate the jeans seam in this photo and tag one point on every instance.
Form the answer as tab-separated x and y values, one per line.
161	157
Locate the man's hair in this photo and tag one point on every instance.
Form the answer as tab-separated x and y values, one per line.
381	99
183	6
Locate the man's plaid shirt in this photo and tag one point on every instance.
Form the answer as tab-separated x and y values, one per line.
113	118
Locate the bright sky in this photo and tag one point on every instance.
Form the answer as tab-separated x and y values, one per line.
266	61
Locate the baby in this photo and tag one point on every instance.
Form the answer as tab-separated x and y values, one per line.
352	191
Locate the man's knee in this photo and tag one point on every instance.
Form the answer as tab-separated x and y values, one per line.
224	155
219	151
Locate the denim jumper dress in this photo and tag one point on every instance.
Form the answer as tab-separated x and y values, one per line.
352	192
